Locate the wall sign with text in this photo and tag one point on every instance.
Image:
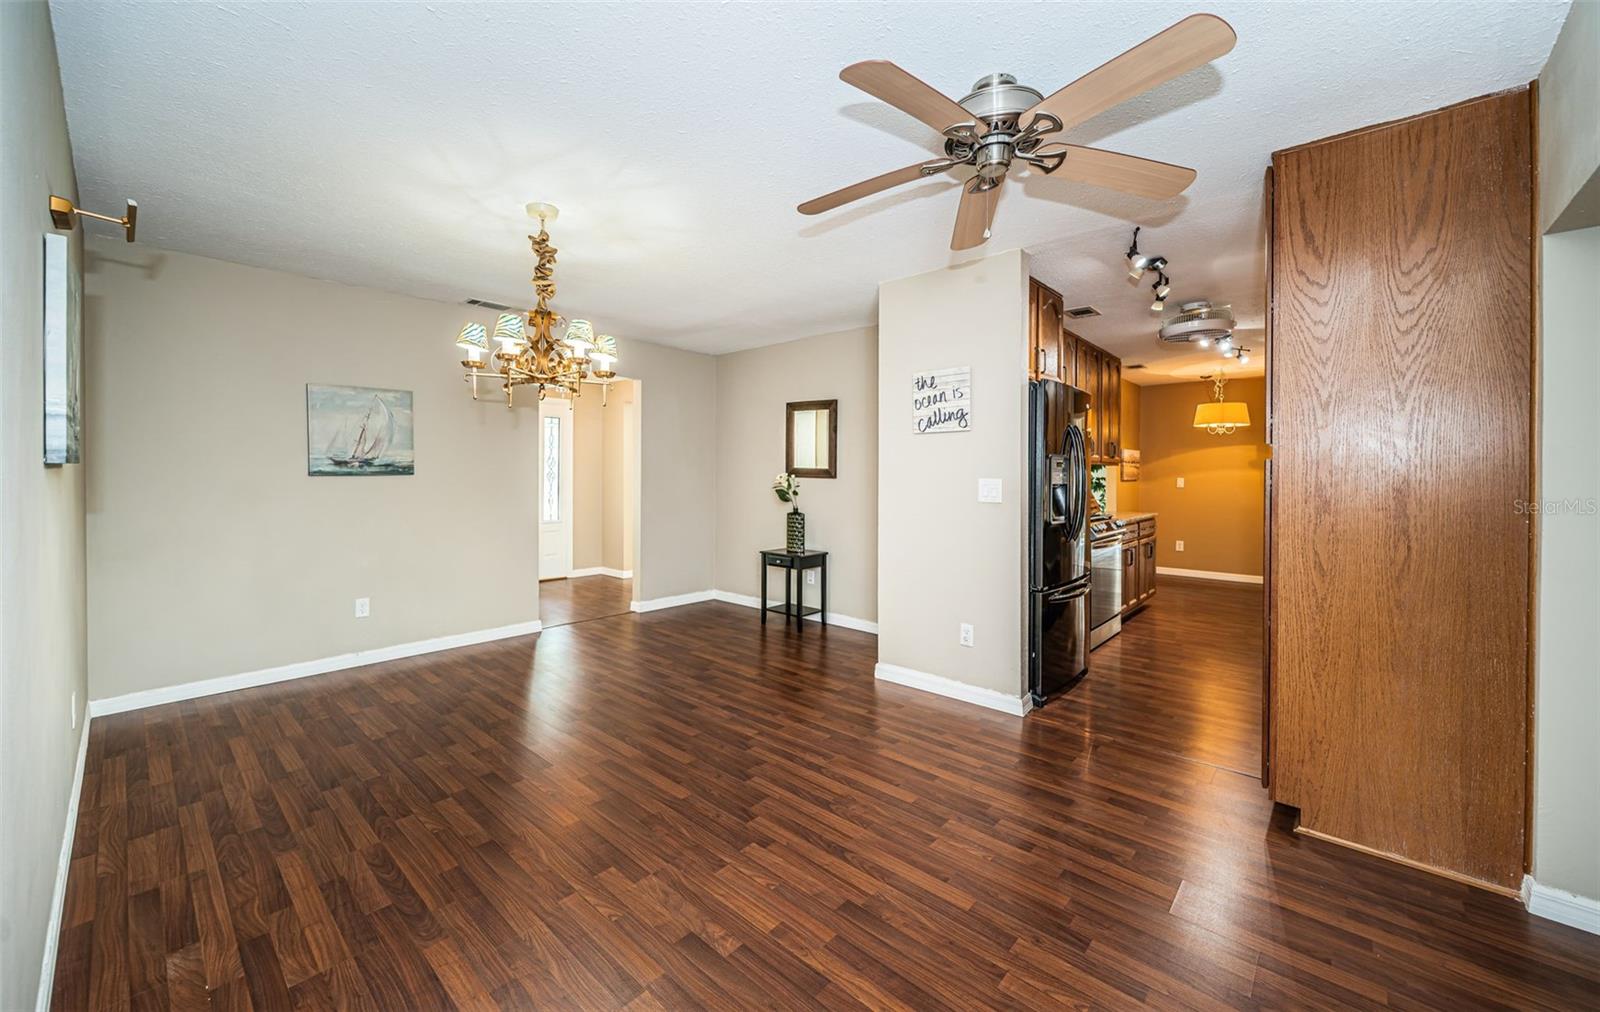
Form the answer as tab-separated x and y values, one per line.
941	400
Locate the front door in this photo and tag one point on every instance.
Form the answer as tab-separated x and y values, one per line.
555	488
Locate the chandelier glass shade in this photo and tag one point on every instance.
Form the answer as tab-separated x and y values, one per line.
529	353
1220	417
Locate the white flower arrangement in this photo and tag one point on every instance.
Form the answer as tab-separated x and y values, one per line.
787	489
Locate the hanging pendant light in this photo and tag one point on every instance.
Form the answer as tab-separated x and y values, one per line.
1221	417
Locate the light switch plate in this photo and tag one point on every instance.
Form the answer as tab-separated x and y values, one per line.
1180	482
988	489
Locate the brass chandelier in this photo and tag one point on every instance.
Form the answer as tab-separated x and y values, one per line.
530	354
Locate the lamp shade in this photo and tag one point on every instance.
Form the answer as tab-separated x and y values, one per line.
473	337
580	336
605	351
509	328
1214	413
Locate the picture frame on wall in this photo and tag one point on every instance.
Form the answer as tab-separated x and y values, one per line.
63	352
358	431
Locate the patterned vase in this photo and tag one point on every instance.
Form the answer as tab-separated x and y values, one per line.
797	531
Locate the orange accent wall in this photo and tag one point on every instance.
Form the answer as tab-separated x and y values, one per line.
1219	512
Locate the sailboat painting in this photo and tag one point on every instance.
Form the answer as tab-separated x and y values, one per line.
358	431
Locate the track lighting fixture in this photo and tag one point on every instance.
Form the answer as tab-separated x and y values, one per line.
1138	262
1161	287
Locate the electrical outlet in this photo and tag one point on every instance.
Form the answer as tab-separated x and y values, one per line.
1180	482
966	634
1180	546
74	710
363	607
988	489
811	577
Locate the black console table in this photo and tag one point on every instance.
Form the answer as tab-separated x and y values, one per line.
793	565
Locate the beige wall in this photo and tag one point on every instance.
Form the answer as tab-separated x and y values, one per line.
1566	755
211	563
211	551
1566	790
602	513
588	480
42	606
620	505
1569	139
1218	514
943	557
753	388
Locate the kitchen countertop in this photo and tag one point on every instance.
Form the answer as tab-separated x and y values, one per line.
1133	516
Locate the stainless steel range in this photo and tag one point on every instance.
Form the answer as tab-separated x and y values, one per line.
1105	595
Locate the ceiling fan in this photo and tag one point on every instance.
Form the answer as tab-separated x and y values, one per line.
1003	122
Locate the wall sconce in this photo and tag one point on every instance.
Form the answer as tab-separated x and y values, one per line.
62	213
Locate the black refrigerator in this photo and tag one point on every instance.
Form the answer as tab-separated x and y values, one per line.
1058	538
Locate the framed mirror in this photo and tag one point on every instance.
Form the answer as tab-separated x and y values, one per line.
811	431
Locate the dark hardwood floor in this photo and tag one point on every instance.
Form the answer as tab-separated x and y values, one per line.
581	598
684	809
1183	676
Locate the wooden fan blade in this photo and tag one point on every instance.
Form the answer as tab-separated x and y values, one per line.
865	188
974	217
1192	42
1142	177
883	80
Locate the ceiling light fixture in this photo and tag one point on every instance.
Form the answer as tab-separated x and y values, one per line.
1221	417
1138	263
1162	288
544	361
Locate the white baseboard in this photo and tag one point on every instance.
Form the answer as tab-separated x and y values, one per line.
303	669
1570	909
1203	574
619	574
58	898
843	621
941	686
675	601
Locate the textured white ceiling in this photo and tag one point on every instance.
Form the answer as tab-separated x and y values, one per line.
394	145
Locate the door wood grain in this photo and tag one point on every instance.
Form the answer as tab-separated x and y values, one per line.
1401	390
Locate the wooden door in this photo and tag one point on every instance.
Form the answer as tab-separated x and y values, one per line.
1402	270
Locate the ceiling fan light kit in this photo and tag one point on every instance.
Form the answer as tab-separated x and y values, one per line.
1002	122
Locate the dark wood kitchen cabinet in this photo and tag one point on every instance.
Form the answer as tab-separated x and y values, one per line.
1138	564
1054	352
1046	335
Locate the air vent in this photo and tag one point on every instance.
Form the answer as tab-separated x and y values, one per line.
486	304
1081	312
1136	365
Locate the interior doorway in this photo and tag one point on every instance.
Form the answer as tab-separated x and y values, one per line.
1184	521
596	494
